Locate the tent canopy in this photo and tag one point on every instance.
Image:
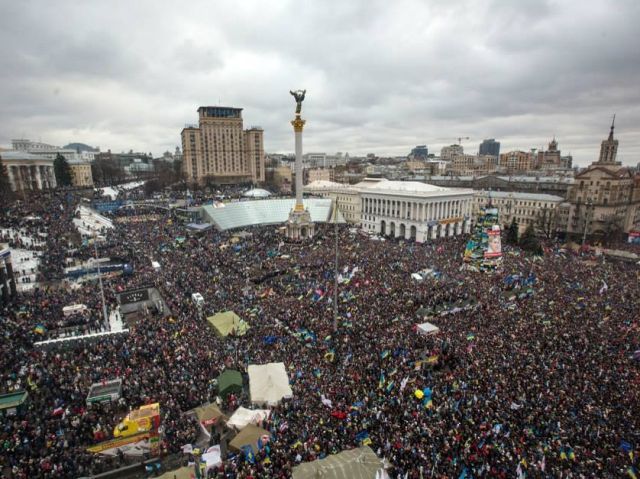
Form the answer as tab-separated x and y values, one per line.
248	437
268	383
182	473
360	463
243	417
209	415
229	381
428	328
227	323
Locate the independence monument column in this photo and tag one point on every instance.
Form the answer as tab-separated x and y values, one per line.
299	225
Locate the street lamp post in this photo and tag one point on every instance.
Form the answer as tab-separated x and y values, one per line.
587	205
335	288
104	304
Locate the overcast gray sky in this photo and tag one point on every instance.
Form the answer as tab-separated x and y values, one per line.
381	76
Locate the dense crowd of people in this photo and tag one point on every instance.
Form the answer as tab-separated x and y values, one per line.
532	381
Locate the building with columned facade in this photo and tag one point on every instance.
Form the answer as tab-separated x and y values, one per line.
7	279
414	210
346	197
28	172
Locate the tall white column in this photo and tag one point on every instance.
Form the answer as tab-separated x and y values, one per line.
12	180
39	177
298	132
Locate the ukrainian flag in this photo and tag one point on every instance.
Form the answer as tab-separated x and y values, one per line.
390	386
381	381
248	454
39	329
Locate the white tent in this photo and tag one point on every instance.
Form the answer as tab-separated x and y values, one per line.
243	416
268	383
212	457
428	328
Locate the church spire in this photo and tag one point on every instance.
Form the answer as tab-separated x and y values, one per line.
609	147
613	123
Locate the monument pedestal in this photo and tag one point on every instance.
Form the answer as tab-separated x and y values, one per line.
299	225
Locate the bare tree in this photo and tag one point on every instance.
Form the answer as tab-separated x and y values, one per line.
546	221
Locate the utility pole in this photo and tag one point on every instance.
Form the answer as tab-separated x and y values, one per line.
104	304
335	289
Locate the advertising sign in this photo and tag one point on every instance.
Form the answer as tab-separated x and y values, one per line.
134	296
494	244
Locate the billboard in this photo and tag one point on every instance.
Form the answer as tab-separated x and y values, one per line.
134	296
494	244
634	237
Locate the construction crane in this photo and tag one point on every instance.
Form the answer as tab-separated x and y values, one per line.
459	139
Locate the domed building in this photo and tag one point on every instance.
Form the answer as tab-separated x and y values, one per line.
257	193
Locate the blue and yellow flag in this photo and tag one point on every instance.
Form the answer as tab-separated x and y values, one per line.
249	456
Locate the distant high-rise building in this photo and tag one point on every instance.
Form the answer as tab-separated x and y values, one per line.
490	147
551	158
516	161
420	152
219	148
448	152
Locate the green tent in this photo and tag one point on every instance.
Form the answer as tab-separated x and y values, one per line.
12	403
227	323
230	381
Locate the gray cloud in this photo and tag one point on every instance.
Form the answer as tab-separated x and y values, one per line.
381	76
